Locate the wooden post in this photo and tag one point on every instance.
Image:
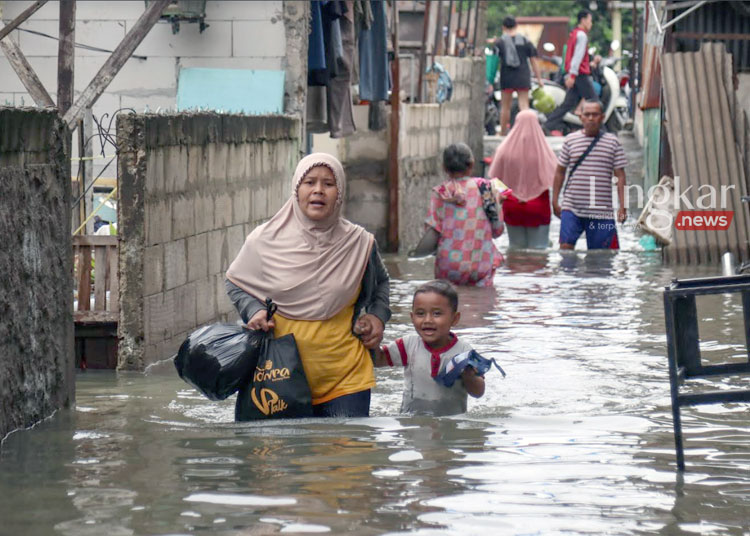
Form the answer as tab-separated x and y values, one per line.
12	25
468	25
115	61
423	52
458	26
81	209
438	30
86	150
393	182
26	73
66	56
476	28
446	46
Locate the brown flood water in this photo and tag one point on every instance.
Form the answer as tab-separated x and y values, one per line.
576	440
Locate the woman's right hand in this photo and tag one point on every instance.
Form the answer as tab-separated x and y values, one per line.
258	322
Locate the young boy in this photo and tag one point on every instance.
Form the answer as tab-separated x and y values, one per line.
434	312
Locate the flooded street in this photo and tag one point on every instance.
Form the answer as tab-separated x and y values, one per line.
576	440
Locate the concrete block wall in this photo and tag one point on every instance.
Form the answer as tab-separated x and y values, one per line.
364	156
426	129
36	294
192	187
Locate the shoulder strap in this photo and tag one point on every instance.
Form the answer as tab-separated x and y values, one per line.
585	153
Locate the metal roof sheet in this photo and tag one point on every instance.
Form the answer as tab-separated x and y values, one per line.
703	121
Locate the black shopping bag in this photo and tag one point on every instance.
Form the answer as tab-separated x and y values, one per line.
278	387
219	359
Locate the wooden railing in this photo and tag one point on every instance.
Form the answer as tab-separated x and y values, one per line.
103	285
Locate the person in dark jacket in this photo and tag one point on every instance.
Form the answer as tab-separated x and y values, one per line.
330	285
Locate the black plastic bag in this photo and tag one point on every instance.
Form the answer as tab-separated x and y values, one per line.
219	359
278	388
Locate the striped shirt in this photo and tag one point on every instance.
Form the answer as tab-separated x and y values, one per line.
588	192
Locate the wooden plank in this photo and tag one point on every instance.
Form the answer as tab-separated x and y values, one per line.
115	61
393	163
84	280
87	167
26	73
100	278
66	56
25	14
94	240
113	279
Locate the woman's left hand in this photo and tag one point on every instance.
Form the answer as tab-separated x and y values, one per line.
370	329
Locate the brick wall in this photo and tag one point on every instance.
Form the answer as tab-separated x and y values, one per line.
36	298
192	187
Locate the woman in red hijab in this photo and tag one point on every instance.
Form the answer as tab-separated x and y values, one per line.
525	162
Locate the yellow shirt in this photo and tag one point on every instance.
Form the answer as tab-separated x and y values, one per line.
336	362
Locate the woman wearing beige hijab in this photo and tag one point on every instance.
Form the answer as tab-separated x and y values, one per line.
327	278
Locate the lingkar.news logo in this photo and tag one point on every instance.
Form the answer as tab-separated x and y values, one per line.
701	214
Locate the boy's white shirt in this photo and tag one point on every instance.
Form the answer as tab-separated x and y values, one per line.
422	394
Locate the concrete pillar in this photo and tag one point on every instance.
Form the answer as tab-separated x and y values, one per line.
617	33
297	28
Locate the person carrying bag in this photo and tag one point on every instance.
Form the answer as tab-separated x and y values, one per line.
330	285
278	388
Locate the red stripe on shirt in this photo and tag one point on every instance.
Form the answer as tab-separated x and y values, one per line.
387	356
402	351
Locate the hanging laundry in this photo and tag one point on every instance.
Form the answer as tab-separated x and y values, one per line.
340	112
374	74
362	14
332	24
316	55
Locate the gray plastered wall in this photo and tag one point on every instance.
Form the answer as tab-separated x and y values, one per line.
36	286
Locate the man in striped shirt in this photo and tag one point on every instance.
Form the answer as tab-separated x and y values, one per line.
587	199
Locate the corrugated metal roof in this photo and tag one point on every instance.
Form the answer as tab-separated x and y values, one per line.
699	103
717	18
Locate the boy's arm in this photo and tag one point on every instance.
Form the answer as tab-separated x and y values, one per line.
388	355
473	382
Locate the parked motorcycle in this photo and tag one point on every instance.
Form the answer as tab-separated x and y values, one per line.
491	111
624	106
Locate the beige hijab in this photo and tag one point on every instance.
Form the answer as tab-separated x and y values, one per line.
310	269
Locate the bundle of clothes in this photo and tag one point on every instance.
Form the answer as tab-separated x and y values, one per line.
338	27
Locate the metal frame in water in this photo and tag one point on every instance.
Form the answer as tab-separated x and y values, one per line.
683	346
